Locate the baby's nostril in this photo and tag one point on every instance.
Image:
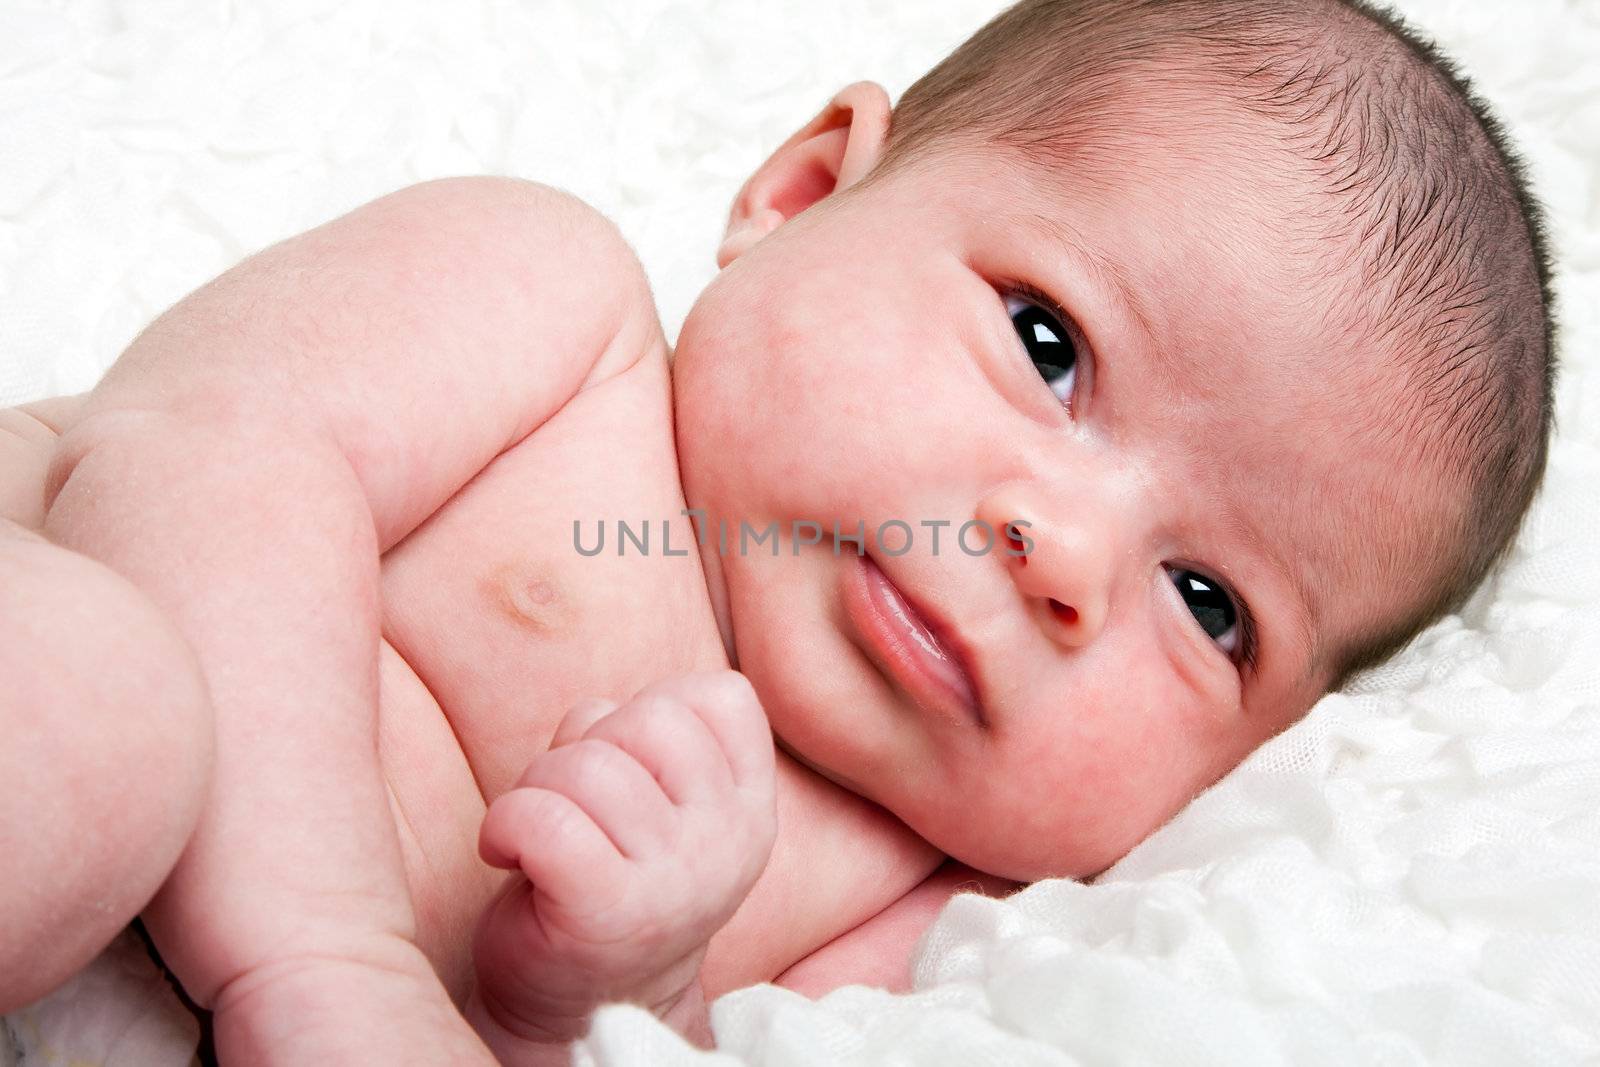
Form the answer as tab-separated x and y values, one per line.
1065	612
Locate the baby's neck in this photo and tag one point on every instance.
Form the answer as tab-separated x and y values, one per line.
839	859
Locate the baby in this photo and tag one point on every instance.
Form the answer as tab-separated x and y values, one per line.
1040	450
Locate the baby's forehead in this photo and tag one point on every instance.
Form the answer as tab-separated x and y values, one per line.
1172	198
1210	260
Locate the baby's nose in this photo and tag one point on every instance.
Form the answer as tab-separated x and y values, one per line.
1061	563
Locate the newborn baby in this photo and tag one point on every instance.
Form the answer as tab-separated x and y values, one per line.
1034	457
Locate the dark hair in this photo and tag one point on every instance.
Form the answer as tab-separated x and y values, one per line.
1420	180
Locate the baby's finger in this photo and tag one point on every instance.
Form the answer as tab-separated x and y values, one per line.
609	784
670	741
552	841
576	722
727	703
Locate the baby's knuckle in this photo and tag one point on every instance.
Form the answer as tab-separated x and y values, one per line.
594	762
657	692
555	816
675	836
728	690
656	714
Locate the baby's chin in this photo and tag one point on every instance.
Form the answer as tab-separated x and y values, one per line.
837	779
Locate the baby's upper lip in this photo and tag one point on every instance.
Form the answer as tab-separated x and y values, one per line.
949	636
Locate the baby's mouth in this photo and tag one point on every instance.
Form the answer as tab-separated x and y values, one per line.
917	651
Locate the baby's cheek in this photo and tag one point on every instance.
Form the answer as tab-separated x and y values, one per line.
1074	798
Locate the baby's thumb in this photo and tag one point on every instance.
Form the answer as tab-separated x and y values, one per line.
584	714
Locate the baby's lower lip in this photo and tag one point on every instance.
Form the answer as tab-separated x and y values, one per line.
905	646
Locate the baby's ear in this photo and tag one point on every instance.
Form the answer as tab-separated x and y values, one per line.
831	152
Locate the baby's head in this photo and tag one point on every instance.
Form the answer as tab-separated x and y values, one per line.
1236	308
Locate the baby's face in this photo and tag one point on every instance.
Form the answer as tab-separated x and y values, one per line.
1184	437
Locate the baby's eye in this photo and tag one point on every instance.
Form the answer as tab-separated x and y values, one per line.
1211	607
1048	343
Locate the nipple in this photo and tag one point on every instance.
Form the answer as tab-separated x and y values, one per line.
528	598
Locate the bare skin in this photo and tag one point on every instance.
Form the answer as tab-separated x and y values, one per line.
378	555
876	950
504	700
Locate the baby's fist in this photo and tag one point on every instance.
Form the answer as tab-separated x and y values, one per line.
637	835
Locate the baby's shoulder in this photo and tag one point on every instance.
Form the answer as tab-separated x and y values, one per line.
620	277
585	247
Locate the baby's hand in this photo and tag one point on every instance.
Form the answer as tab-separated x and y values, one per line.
636	836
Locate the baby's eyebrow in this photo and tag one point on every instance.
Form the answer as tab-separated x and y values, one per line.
1106	274
1301	634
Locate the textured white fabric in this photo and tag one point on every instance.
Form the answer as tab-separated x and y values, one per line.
1411	875
118	1011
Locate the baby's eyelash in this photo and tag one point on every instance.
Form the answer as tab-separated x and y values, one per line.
1247	633
1033	295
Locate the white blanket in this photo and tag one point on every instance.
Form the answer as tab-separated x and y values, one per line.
1412	875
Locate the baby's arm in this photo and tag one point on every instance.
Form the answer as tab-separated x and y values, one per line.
878	952
245	463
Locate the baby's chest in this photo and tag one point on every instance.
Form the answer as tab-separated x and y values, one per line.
495	622
503	610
